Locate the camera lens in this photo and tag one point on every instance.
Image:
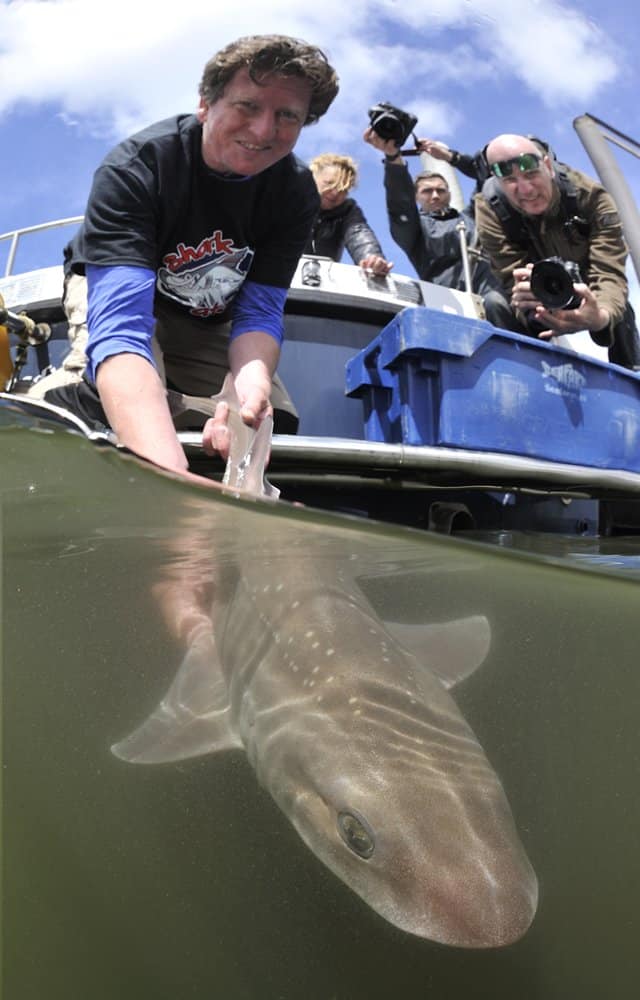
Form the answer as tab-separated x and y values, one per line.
552	285
391	123
388	127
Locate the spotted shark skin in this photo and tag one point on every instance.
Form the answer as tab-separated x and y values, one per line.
361	746
348	722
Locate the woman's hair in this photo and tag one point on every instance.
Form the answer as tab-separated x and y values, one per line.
347	170
266	54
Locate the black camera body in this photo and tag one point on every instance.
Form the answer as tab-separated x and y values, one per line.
552	282
391	123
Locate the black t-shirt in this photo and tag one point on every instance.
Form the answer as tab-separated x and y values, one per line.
155	204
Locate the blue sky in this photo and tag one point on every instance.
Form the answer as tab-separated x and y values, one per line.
78	75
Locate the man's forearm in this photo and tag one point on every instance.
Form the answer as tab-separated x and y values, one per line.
399	190
135	402
254	346
253	359
404	220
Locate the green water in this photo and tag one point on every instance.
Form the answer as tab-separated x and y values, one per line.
186	880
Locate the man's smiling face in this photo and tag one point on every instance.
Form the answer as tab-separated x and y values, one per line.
253	125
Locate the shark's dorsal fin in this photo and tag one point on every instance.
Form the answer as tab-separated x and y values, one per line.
192	719
451	650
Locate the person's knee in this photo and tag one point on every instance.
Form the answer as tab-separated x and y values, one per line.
499	313
74	300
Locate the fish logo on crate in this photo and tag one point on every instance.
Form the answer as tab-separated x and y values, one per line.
564	380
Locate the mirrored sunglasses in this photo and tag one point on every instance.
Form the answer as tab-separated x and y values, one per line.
524	163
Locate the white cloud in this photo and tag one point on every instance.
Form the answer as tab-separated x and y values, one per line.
112	67
555	51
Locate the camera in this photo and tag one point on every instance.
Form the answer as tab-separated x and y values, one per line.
391	123
552	283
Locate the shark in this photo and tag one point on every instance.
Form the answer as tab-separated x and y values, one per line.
349	723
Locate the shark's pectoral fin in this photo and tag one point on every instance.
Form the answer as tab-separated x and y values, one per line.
192	719
451	650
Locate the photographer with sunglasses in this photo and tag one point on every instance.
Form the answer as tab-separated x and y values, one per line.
532	208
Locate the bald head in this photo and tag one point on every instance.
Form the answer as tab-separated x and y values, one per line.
506	146
529	184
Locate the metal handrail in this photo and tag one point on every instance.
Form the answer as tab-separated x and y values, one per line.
595	135
615	136
14	236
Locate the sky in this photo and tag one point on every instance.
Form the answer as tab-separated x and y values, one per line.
77	76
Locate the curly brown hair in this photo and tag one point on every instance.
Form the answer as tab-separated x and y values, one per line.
266	54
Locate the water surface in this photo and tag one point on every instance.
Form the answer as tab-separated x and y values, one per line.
186	880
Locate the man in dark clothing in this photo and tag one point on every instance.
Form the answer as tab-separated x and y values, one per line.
430	234
193	231
532	208
474	166
340	223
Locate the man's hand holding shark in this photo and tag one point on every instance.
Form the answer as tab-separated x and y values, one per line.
252	385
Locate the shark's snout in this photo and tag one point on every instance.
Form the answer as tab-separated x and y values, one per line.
483	913
464	907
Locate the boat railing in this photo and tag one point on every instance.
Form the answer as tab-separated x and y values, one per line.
598	137
14	237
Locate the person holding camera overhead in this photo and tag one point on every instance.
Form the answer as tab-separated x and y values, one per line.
428	232
531	209
340	223
473	165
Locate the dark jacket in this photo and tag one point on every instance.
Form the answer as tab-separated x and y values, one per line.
431	240
340	227
475	166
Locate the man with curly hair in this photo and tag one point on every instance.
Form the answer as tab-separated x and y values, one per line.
191	236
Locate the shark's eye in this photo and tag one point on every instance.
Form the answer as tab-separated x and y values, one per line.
356	835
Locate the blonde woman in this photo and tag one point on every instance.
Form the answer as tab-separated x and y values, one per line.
340	223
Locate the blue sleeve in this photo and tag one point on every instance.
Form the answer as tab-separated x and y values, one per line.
259	307
120	314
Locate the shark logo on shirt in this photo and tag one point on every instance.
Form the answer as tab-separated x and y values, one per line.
206	278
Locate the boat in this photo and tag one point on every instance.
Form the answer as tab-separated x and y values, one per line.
141	862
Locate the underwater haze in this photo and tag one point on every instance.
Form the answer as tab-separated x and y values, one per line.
192	876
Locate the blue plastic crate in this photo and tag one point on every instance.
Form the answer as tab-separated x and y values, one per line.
430	378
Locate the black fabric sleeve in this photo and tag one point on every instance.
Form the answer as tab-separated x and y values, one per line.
360	239
404	221
121	220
